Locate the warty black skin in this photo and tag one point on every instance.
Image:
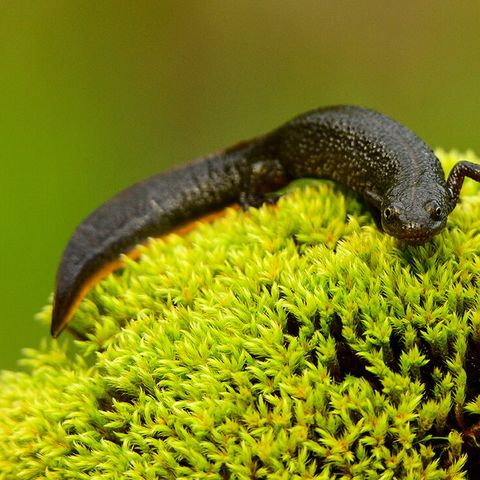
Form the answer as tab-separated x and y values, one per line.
399	176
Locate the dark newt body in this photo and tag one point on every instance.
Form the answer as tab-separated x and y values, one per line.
397	173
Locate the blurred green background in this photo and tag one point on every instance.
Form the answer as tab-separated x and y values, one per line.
97	95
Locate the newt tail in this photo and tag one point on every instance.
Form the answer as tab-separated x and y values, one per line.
150	208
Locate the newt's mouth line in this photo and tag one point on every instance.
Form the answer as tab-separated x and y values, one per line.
416	238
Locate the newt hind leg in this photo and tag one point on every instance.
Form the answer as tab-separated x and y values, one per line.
265	177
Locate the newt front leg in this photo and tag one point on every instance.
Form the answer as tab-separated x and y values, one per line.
457	175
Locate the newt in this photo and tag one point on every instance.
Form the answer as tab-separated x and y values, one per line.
397	174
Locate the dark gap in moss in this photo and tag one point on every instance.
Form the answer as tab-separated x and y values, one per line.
254	381
355	415
335	372
224	472
255	465
148	389
433	355
351	364
136	449
372	379
441	448
268	287
396	346
105	402
182	461
320	465
313	356
472	369
337	243
256	356
465	305
125	397
316	320
335	327
472	464
293	325
471	438
426	372
421	299
335	331
297	243
406	257
389	358
358	328
302	247
452	421
111	435
451	345
435	361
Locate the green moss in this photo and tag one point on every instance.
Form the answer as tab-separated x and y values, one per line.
292	342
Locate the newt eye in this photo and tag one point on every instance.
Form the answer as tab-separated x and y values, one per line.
436	212
389	213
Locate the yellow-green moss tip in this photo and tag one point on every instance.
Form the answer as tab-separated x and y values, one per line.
294	342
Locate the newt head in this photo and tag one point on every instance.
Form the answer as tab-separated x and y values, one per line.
416	218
